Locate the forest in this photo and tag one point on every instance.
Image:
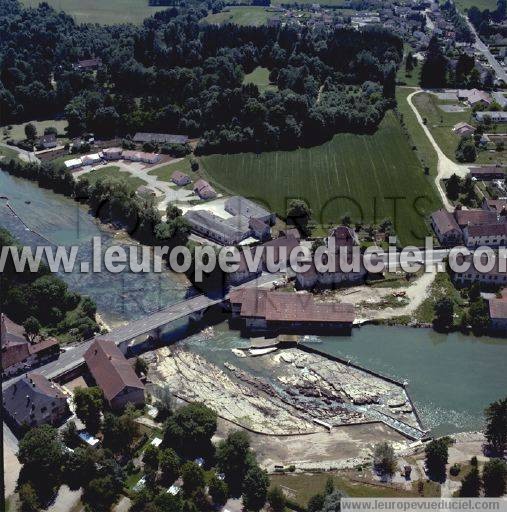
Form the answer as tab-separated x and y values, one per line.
176	74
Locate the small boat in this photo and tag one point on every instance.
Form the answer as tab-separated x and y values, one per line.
4	197
28	202
261	351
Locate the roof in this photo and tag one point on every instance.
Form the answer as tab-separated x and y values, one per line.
167	138
474	217
25	399
497	204
343	236
498	307
474	95
290	307
44	139
73	162
89	63
444	221
497	229
238	205
202	185
496	270
180	176
111	371
112	150
487	169
460	126
229	229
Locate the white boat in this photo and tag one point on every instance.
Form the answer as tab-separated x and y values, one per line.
261	351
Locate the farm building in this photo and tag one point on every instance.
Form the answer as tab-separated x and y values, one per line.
74	163
91	159
223	231
47	141
491	235
488	172
204	190
238	205
88	64
180	178
112	153
288	312
474	97
494	117
114	374
446	228
498	312
494	277
32	401
463	129
160	138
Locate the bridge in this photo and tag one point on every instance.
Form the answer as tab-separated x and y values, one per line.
72	358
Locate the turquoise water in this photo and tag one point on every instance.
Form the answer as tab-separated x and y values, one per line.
119	297
451	378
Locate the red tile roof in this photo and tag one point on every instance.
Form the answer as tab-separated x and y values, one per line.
110	369
444	221
465	217
498	307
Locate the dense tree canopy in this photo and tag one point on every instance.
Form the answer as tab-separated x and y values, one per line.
174	74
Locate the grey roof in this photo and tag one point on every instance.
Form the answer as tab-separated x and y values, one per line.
219	228
237	205
32	399
239	222
167	138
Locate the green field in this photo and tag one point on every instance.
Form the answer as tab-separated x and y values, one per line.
165	172
8	154
111	171
17	131
241	16
105	13
411	79
260	77
481	4
352	174
321	2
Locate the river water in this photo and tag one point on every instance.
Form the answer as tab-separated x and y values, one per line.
451	378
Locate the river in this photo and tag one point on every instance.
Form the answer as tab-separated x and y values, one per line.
451	378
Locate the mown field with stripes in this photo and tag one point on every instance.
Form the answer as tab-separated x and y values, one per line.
369	177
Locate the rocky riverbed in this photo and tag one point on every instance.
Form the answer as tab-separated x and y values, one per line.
295	393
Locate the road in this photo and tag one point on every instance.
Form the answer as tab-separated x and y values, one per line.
445	167
500	72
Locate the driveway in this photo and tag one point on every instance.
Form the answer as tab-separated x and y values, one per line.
11	463
445	167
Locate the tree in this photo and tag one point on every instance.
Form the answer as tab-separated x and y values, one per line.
89	403
119	431
28	498
141	366
444	314
32	328
190	429
255	488
478	315
332	502
30	131
315	503
384	461
299	214
409	63
150	457
193	477
494	477
466	150
70	434
471	484
452	187
434	69
436	458
496	425
276	499
173	212
234	458
329	487
169	465
218	490
165	401
101	493
475	291
80	467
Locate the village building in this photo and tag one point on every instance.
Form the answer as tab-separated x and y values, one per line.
160	138
446	228
88	64
495	205
238	205
144	191
492	278
32	401
287	312
204	190
487	172
491	235
499	97
112	154
498	313
474	97
223	231
18	354
260	229
141	156
114	374
244	272
73	163
342	236
463	129
494	117
181	179
93	159
277	252
47	141
474	217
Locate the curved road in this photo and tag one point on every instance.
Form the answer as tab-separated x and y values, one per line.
446	167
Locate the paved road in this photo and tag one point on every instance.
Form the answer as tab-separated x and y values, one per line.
500	72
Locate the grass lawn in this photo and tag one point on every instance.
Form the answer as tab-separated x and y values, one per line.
111	171
307	485
412	79
8	154
442	287
440	123
17	132
426	154
351	174
165	172
241	16
322	2
481	4
260	77
105	13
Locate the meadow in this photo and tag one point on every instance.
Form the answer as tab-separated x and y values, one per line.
113	172
260	77
369	177
165	172
105	13
17	131
247	15
464	5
